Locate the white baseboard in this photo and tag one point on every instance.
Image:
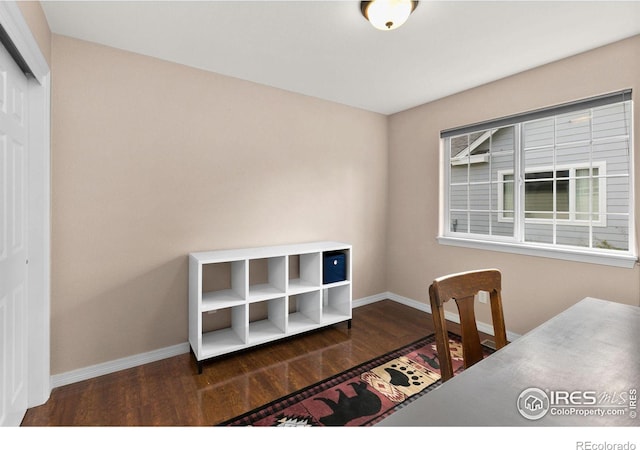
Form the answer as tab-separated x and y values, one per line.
128	362
116	365
369	300
424	307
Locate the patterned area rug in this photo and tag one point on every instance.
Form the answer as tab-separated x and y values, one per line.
362	395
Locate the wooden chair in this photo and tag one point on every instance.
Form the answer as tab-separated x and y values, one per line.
462	287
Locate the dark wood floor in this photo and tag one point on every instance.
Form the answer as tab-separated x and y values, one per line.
170	392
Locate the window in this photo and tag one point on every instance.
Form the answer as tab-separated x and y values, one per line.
575	192
555	182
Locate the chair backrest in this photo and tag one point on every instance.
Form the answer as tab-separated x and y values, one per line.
462	287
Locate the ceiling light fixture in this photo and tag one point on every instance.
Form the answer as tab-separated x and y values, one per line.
387	14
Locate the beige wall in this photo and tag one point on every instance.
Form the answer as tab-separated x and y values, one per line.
37	21
152	160
534	288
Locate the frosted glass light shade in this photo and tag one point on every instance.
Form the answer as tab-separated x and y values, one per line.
387	14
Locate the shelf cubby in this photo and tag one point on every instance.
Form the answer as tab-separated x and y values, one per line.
266	320
223	284
336	303
347	280
305	311
224	331
305	272
267	278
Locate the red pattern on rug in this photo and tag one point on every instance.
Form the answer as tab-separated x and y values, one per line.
362	395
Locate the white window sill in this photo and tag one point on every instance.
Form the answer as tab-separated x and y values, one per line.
625	260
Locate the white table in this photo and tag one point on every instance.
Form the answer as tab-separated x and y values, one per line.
590	351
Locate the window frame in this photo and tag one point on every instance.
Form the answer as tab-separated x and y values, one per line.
516	244
572	168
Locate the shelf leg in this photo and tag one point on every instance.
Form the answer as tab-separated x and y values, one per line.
199	363
349	324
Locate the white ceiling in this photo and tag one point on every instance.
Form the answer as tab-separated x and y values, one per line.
326	49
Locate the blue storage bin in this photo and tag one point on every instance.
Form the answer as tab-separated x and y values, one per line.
334	267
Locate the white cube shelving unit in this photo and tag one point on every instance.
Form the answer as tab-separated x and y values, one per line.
246	297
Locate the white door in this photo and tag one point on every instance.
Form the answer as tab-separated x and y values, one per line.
13	239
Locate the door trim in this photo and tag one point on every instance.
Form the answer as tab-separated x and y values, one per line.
39	204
